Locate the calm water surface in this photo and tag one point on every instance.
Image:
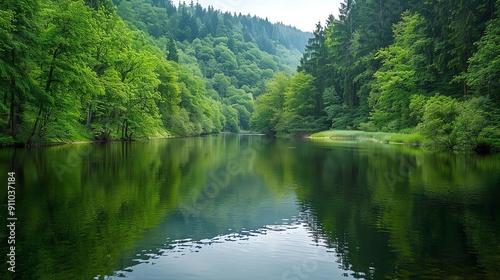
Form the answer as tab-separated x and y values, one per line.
248	207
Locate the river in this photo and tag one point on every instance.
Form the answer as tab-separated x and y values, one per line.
249	207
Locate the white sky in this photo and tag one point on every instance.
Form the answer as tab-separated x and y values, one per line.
303	14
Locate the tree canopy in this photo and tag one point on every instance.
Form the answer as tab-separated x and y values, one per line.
402	66
75	70
125	69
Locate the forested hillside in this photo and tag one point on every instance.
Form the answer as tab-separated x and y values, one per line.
96	70
431	67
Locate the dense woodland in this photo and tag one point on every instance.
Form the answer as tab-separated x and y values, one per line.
428	67
99	70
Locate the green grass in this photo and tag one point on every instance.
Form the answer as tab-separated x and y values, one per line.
382	137
413	138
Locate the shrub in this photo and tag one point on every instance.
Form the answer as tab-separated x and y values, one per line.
468	125
368	126
6	140
457	125
438	120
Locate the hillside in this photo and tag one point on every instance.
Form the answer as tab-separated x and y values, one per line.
98	70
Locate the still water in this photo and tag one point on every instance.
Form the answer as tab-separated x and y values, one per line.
249	207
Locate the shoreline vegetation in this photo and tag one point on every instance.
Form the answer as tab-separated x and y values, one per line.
413	139
81	141
411	73
150	69
410	139
95	141
113	70
487	146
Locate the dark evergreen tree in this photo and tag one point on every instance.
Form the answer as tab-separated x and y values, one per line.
172	53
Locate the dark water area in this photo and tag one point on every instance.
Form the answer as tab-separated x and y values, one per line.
249	207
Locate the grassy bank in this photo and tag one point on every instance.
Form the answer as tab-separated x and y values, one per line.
8	142
382	137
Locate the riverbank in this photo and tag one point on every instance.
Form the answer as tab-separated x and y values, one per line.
414	139
12	144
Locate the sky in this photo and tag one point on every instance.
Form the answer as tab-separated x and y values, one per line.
303	14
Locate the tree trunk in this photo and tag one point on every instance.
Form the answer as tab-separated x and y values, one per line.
30	139
126	131
89	114
12	121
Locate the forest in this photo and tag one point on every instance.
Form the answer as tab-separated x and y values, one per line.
74	70
425	67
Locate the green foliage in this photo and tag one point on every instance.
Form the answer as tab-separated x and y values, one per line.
456	125
396	80
172	51
231	116
19	25
484	66
341	115
6	140
414	138
438	120
469	124
288	106
87	69
417	107
402	138
299	99
300	106
368	126
235	55
489	138
76	70
376	65
269	106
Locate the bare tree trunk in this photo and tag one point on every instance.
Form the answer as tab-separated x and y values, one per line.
123	128
35	126
12	114
89	114
126	131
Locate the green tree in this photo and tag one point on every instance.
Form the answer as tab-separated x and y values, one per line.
231	116
270	105
172	51
300	105
315	61
339	35
469	124
169	91
65	76
483	73
226	59
439	120
136	69
454	27
458	125
19	48
398	78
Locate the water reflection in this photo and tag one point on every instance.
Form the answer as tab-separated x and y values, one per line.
405	212
290	250
248	207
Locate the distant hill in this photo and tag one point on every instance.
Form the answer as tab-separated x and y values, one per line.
235	54
161	18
